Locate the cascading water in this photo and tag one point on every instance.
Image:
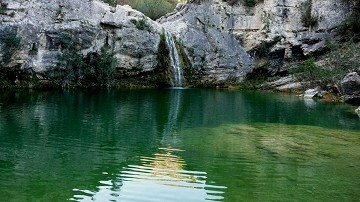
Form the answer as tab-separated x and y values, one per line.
176	70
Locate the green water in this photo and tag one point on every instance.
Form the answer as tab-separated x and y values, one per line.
176	145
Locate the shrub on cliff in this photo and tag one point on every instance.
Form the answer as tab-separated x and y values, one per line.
332	67
154	9
111	2
10	45
307	17
75	70
350	28
162	71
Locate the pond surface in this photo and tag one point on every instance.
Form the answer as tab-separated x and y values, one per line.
176	145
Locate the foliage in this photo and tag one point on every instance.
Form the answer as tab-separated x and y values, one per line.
10	44
344	57
185	62
307	18
250	3
162	70
111	2
3	8
154	9
350	28
309	71
93	69
332	67
140	24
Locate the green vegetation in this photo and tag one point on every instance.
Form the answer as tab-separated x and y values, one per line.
76	70
250	3
185	62
332	67
3	8
162	71
310	71
350	28
111	2
154	9
10	44
307	18
140	24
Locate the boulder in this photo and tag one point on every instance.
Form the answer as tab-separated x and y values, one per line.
351	84
313	93
357	110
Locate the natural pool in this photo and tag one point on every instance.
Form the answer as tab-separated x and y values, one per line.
176	145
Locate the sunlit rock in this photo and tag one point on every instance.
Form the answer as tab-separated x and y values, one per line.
351	84
313	93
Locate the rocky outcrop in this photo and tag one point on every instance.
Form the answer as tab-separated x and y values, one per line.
281	30
48	27
351	84
223	40
351	88
285	84
313	93
357	111
215	54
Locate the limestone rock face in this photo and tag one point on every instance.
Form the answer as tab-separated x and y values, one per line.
215	54
48	25
276	27
223	39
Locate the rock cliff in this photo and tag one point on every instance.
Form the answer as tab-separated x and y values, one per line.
223	40
89	25
281	30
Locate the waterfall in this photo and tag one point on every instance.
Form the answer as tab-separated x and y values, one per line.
176	70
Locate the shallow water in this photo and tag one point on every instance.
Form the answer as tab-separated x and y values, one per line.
176	145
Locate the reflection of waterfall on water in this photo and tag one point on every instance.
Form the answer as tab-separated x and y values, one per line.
176	70
160	177
174	108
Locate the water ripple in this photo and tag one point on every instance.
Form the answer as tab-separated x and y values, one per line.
161	177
